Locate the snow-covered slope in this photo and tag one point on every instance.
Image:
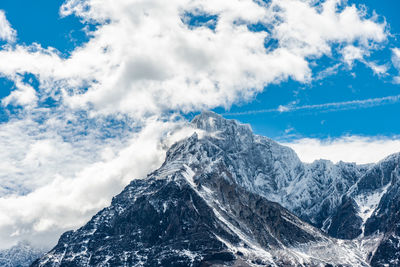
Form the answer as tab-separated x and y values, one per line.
232	197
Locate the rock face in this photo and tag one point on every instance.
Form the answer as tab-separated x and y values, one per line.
385	218
232	198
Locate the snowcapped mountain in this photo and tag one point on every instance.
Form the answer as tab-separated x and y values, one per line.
20	255
228	197
311	191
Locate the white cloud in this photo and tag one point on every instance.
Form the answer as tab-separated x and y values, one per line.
327	72
311	30
66	198
357	149
33	152
352	53
147	60
396	62
7	33
380	70
25	95
396	57
142	61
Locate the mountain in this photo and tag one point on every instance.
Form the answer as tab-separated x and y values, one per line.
227	197
20	255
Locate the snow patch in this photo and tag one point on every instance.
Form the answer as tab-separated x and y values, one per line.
367	204
188	174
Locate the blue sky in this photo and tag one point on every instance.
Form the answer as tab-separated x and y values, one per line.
90	92
322	123
359	83
40	22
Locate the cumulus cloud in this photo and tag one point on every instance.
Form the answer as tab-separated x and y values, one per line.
7	33
144	59
348	149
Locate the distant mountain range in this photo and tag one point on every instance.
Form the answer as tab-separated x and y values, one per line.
20	255
228	197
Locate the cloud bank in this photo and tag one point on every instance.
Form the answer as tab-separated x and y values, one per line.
115	98
348	149
66	198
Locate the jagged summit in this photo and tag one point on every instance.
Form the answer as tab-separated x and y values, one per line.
231	130
211	122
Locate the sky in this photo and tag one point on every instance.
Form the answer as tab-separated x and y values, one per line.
93	92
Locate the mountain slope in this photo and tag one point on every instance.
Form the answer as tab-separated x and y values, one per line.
230	197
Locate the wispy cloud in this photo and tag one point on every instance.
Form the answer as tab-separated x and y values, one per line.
7	33
396	63
327	107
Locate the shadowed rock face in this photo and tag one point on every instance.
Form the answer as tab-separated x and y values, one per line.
345	222
375	196
232	198
386	219
151	223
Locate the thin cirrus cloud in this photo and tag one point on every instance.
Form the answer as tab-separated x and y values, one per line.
143	60
327	107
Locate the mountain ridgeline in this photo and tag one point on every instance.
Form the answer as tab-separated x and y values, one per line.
227	197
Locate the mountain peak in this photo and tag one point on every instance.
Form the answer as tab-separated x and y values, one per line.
211	122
